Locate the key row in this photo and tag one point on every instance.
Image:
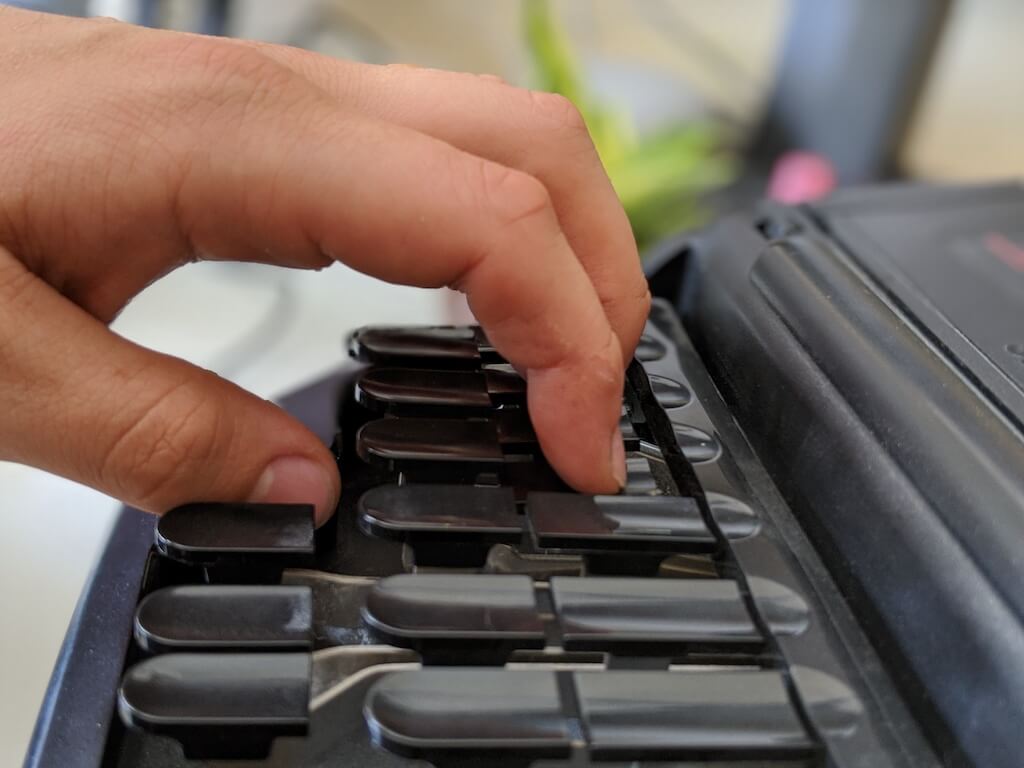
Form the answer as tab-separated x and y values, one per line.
483	619
235	705
504	717
505	437
441	346
454	525
398	390
472	519
445	367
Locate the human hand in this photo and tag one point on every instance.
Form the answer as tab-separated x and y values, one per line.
127	152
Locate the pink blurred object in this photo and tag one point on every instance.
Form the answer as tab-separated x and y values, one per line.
799	177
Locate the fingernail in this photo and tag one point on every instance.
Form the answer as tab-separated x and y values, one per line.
619	459
297	480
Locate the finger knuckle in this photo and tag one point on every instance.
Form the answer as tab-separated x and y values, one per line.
559	111
224	76
172	438
512	196
645	300
605	370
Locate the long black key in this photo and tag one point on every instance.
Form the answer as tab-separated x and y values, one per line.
470	619
214	534
385	388
636	523
457	524
217	705
422	513
456	618
401	443
232	618
514	717
729	715
493	717
645	616
425	346
444	524
505	436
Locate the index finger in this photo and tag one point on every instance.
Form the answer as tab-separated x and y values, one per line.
542	134
408	208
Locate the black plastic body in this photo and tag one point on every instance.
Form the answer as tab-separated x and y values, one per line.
869	347
882	465
845	700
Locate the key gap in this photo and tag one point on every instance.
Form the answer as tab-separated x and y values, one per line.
546	613
569	699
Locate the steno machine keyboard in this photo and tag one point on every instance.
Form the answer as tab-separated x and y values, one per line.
815	562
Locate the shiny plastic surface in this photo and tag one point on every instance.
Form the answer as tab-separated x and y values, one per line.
645	715
404	511
433	712
381	387
433	345
219	705
454	607
218	617
617	522
205	533
596	611
430	440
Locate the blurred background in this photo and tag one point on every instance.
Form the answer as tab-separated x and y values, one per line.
696	106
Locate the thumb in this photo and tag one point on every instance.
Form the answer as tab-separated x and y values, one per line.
149	429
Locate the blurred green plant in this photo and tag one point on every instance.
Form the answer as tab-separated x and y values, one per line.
663	179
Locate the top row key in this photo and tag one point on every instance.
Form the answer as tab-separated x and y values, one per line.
438	346
446	346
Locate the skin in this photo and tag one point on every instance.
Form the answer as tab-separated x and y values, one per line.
126	153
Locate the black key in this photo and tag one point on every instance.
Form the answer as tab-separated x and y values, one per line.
422	512
668	392
398	443
477	716
782	609
460	606
447	525
696	444
226	618
635	523
505	436
461	619
380	388
832	708
515	717
216	533
729	715
644	616
426	346
219	705
472	519
735	519
649	349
